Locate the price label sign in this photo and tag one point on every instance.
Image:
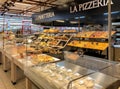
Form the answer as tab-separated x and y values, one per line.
26	27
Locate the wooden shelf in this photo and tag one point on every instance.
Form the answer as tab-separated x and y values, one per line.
89	45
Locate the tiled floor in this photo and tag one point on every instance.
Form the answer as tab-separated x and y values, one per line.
5	82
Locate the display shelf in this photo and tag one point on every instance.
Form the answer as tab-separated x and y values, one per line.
53	46
58	31
16	55
89	45
94	34
51	30
69	31
85	34
92	43
117	46
117	37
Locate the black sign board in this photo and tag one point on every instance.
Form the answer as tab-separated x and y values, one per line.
92	10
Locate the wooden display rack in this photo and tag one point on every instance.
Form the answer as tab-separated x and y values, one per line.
63	43
91	40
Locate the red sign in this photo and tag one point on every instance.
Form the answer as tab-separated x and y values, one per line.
26	27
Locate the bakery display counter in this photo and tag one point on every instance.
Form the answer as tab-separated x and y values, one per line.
95	81
52	75
89	45
62	37
50	46
31	60
10	50
9	58
19	60
105	67
6	56
16	55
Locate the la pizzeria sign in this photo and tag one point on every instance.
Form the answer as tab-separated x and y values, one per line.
89	5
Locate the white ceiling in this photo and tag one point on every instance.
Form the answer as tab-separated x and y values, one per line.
29	7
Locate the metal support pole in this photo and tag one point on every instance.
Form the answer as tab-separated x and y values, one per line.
79	24
3	31
109	30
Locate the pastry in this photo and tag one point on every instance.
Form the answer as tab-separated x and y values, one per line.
81	85
89	82
70	30
41	58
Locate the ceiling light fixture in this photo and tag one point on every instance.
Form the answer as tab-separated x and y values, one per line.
81	17
115	12
61	21
73	22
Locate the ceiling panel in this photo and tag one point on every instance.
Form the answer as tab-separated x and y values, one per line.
22	6
32	5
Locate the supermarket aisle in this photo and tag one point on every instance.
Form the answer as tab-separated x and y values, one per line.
5	82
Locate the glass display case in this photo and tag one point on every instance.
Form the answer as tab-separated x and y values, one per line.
51	44
89	62
6	38
104	69
78	71
95	81
51	74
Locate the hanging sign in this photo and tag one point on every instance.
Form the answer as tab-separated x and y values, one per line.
84	8
45	16
89	5
26	27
